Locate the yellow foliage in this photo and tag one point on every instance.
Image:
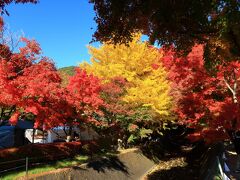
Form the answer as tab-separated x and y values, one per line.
148	86
152	90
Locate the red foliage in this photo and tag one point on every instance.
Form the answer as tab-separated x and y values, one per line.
14	118
195	137
41	151
112	93
30	86
30	83
84	96
204	99
41	94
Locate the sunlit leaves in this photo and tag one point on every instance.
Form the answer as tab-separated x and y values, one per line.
137	63
205	100
84	95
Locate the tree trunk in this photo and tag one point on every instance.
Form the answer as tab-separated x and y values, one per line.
33	134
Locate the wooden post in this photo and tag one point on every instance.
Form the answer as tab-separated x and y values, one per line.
26	167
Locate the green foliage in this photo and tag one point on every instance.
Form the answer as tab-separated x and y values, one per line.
132	138
65	73
145	132
70	70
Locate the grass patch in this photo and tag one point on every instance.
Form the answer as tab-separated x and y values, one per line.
77	160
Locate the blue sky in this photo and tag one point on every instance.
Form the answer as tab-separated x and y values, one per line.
63	28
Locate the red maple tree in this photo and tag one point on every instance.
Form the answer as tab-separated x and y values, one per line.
112	93
29	83
206	100
83	96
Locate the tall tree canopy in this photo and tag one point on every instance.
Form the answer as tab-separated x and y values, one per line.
135	63
84	97
182	23
206	101
29	84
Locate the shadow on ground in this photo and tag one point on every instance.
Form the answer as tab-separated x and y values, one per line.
188	164
111	163
130	164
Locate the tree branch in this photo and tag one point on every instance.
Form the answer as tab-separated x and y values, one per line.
233	90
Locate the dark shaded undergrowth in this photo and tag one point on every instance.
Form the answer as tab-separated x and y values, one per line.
192	162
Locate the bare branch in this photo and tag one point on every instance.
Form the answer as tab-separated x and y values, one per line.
228	85
232	90
235	81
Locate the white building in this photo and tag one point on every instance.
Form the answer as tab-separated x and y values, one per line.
58	134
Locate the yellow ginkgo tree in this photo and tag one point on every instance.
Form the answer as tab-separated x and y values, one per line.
139	64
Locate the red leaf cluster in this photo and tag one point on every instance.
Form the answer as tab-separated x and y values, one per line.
84	96
204	99
112	93
31	85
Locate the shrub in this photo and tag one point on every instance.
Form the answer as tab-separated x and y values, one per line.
38	153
